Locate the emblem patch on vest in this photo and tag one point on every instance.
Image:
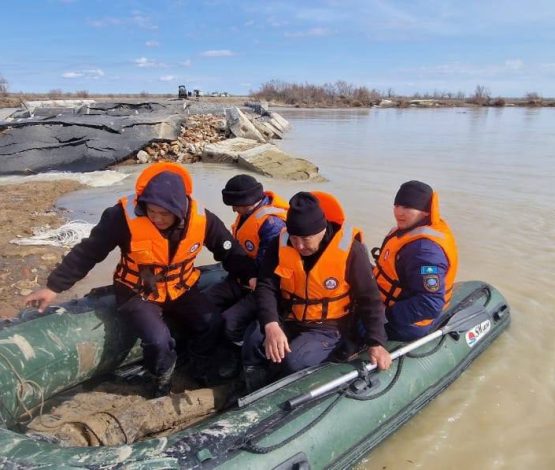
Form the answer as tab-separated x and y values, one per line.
249	245
227	245
331	283
194	248
431	282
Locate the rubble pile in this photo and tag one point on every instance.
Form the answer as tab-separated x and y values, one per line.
196	133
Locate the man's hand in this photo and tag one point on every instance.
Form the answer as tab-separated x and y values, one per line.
275	344
252	283
41	299
379	355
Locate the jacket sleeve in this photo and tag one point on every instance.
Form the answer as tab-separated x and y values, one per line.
270	229
422	266
227	250
267	291
111	231
368	306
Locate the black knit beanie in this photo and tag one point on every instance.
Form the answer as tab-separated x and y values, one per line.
414	194
242	190
305	216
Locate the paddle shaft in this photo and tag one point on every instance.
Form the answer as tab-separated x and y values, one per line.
463	321
334	384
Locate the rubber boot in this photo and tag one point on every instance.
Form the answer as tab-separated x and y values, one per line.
201	370
230	366
256	377
163	382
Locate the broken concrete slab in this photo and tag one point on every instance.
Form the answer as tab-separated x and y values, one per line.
227	151
240	126
268	160
265	159
280	121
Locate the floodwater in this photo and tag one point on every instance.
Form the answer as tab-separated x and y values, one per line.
494	170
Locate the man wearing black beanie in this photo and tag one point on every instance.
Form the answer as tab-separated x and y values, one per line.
314	280
260	218
416	264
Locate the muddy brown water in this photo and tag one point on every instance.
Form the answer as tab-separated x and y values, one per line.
494	170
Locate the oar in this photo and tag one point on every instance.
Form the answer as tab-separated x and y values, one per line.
463	320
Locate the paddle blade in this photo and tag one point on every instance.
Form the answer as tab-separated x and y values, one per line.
467	318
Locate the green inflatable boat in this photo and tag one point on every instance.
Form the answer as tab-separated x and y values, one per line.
329	416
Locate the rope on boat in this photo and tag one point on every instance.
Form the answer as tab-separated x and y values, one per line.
67	235
251	446
21	388
430	352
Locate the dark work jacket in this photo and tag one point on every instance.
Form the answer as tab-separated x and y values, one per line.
112	231
365	295
417	302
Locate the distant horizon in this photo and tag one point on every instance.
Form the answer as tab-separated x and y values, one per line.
135	46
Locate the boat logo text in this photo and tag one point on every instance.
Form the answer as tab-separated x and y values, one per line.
477	333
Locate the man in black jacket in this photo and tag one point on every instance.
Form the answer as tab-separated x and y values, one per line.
315	279
160	230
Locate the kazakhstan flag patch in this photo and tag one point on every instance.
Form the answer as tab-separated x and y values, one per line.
429	270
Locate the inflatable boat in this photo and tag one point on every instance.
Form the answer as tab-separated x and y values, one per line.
328	416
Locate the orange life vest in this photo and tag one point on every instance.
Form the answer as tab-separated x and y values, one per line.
385	271
148	249
322	293
248	233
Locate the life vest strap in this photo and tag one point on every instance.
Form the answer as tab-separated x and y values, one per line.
325	301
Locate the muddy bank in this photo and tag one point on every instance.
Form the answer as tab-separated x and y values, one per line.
24	268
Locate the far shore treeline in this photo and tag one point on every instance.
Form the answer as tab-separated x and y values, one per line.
337	94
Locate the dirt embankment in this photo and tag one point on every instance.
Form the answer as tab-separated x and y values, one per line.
25	268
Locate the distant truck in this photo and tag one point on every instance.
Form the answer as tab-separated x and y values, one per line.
182	92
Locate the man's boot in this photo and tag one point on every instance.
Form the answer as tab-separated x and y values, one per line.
256	377
163	382
230	364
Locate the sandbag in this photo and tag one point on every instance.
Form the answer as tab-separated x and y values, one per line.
107	419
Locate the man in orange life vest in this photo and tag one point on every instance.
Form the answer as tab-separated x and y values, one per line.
260	218
160	230
416	264
313	277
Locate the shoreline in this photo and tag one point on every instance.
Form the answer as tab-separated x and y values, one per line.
16	100
24	268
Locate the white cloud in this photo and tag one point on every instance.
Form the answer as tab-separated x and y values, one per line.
152	44
144	62
105	22
141	20
72	74
136	19
514	64
217	53
167	78
186	63
88	73
312	32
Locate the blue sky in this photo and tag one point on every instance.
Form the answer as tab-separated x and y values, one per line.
407	46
